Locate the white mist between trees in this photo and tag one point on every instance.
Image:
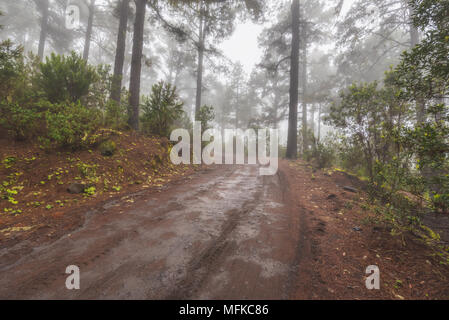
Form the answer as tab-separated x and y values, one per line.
246	142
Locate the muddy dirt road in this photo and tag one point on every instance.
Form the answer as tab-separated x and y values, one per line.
225	233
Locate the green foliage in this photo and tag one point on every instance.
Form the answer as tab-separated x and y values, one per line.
19	113
108	148
88	171
323	154
65	78
367	116
99	90
20	121
399	133
70	125
205	115
115	115
11	69
90	191
161	109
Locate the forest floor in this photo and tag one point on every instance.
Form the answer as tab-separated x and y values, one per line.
35	205
341	239
220	232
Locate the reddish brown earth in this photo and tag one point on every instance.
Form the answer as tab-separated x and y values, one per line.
226	233
42	210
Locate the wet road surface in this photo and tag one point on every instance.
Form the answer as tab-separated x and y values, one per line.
227	233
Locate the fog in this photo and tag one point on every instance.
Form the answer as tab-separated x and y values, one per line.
245	73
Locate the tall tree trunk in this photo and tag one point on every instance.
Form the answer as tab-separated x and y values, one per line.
319	122
414	33
44	27
305	140
237	101
116	87
292	140
414	40
312	120
136	64
90	22
199	71
276	104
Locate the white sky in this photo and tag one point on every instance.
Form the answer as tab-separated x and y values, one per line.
242	46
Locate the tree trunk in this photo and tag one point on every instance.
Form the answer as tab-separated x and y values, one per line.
319	122
305	140
116	87
44	26
237	101
199	72
414	33
292	140
90	22
312	119
414	40
136	65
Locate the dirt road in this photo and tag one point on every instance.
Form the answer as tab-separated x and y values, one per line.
226	233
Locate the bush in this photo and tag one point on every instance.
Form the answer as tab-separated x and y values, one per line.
323	154
65	78
161	109
205	115
98	94
70	125
11	68
21	122
115	115
108	148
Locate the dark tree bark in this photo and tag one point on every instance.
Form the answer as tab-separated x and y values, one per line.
319	122
305	140
120	52
89	30
292	140
44	31
199	71
136	65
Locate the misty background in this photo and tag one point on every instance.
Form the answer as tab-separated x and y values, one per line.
246	66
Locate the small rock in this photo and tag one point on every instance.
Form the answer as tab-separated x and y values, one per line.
357	229
331	196
350	189
76	188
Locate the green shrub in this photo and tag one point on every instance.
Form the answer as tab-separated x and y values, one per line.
21	121
98	95
18	111
65	78
161	109
108	148
323	154
11	68
205	115
70	125
115	115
